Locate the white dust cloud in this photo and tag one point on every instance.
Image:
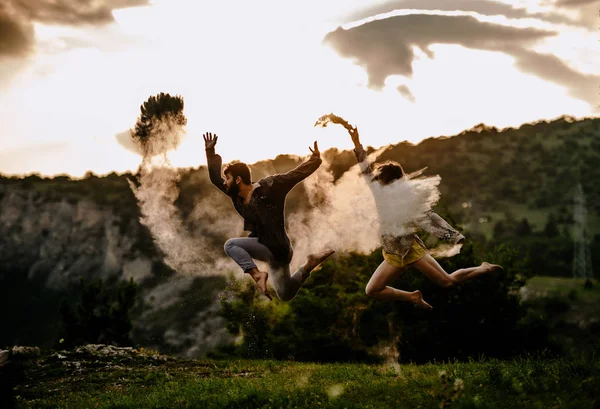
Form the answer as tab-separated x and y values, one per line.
185	252
353	213
445	250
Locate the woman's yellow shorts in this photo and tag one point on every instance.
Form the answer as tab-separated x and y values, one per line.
416	252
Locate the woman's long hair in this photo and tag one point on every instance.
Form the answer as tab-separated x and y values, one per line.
387	172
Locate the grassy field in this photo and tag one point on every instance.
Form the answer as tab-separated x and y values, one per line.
112	377
141	379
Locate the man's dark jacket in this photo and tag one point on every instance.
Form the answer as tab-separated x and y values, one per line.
264	214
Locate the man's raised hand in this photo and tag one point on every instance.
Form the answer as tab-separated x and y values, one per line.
210	140
315	150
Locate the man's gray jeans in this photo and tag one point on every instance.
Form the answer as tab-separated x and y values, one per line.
244	249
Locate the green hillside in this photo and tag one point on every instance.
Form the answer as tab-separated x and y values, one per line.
530	171
512	186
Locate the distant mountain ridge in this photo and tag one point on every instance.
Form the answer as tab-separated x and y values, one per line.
55	230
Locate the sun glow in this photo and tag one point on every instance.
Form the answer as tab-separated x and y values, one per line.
258	82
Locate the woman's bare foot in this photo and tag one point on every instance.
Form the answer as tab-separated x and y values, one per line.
260	277
419	302
313	260
491	267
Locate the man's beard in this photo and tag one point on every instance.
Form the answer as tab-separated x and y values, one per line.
233	190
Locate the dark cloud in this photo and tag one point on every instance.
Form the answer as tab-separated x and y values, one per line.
66	12
383	48
71	12
487	8
17	16
405	92
576	3
552	69
15	37
586	9
478	6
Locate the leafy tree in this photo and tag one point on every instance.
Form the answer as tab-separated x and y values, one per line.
566	233
551	228
161	119
499	229
523	228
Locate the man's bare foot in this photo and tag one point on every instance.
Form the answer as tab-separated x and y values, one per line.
491	267
260	277
313	260
419	302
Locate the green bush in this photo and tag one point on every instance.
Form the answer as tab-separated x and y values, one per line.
332	319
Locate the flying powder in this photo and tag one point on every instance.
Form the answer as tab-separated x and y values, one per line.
354	213
156	194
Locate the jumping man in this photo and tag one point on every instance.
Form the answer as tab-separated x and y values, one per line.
261	204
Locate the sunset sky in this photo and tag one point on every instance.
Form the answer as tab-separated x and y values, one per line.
73	73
